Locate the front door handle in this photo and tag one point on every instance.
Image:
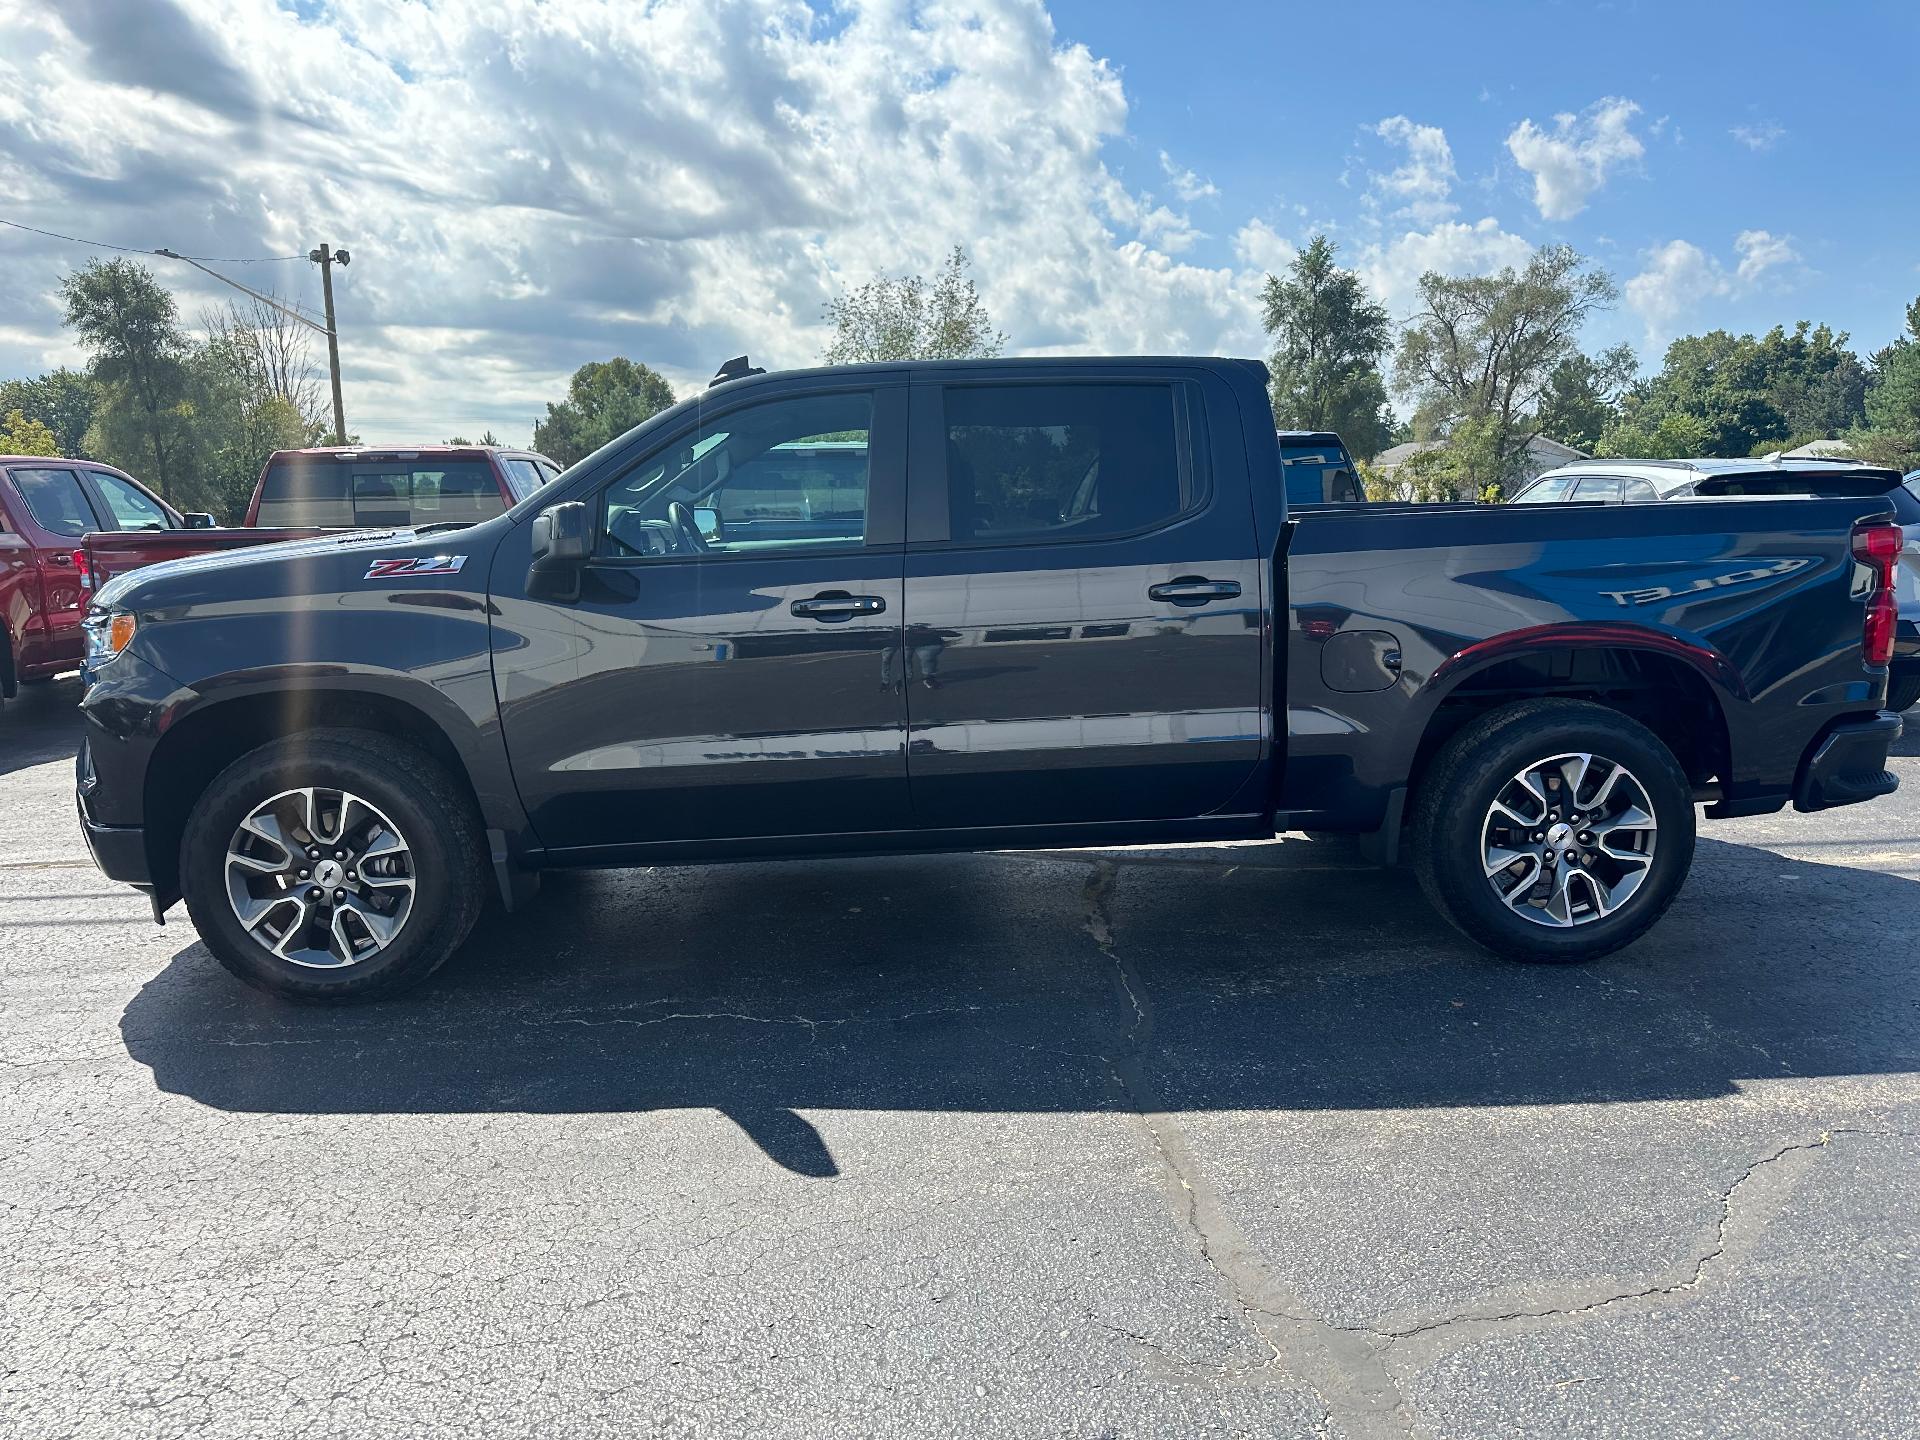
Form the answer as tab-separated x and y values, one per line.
833	606
1193	590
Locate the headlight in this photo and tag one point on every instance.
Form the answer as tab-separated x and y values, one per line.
108	633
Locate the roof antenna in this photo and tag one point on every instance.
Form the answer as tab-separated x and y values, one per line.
735	369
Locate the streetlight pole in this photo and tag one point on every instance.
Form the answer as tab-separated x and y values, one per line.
326	257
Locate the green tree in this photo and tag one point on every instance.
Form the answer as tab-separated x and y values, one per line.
1329	336
1479	355
239	418
20	435
127	322
903	319
1891	435
1749	394
487	437
1583	394
604	399
63	400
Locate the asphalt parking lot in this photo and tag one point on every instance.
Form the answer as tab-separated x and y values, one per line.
1212	1141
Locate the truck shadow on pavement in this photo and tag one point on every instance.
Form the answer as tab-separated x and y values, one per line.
40	724
1280	976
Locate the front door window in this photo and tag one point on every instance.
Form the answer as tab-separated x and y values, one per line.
785	477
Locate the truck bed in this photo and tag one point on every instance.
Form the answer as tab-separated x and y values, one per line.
1745	610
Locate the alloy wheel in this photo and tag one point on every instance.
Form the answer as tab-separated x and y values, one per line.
320	877
1569	840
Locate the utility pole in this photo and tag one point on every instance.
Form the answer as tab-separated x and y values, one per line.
326	257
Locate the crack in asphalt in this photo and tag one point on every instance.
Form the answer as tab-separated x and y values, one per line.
1344	1366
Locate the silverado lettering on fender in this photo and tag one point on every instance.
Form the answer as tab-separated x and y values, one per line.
954	605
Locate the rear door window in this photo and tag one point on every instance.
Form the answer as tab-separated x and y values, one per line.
55	500
1605	488
1040	464
523	476
131	508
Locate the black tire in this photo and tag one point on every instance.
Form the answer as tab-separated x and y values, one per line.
1903	693
436	817
1471	770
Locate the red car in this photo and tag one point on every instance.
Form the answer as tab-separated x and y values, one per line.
46	507
309	492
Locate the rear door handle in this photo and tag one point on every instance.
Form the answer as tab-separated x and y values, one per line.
1193	590
832	606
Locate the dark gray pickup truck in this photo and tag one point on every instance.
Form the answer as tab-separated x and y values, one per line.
961	605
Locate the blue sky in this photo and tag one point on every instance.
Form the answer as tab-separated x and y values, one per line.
1268	102
527	186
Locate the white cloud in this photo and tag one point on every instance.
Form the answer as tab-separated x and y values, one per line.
1260	247
1573	160
1187	185
1761	136
1393	269
526	187
1679	275
1761	251
1422	181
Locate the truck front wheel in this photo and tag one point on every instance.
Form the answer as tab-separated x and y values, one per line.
1553	830
333	865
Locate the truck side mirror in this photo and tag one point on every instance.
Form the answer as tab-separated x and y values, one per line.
197	520
562	539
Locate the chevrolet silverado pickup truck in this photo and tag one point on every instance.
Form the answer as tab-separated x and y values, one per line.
962	605
302	493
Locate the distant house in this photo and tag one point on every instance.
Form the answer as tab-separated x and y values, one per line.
1820	450
1542	455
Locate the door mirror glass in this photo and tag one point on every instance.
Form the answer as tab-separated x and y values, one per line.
562	535
708	519
197	520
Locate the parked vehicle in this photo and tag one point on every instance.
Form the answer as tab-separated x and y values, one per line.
46	505
1319	469
1639	481
311	492
1053	603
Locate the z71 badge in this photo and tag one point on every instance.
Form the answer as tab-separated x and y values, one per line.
415	565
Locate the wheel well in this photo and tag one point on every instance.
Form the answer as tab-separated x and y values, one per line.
193	752
1665	694
9	682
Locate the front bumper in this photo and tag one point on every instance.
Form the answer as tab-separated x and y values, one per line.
1848	764
119	850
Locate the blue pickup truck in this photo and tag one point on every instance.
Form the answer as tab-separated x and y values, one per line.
960	605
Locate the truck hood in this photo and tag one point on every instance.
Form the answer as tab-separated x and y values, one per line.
149	584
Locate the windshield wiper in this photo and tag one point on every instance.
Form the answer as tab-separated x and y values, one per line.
442	525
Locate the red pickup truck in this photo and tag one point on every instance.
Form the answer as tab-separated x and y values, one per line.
309	492
47	506
67	526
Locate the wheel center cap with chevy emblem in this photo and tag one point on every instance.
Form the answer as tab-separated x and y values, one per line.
328	874
1560	836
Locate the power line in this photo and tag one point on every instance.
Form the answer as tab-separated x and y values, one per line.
132	250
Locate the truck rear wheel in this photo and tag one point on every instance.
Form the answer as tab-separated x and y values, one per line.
333	865
1553	830
1903	693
